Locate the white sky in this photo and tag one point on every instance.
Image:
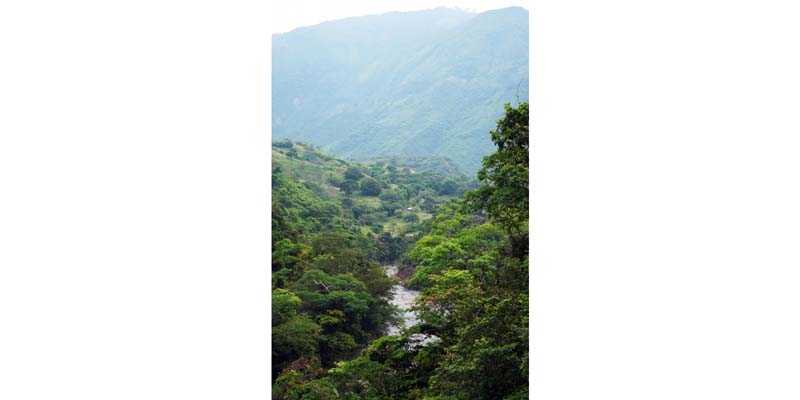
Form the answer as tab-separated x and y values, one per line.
291	14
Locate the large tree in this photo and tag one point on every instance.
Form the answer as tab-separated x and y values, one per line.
370	187
504	193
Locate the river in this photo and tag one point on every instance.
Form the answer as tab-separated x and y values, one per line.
402	298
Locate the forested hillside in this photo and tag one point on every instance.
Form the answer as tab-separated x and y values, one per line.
333	224
422	83
337	224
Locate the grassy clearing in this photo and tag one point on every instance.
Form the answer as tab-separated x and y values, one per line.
371	201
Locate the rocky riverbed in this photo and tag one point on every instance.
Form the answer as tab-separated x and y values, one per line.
402	298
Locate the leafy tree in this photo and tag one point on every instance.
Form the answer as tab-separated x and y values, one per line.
437	254
362	313
330	242
339	345
489	357
370	187
353	173
349	187
391	200
428	204
390	248
448	186
284	306
320	389
285	254
391	196
297	337
295	375
348	202
294	386
504	195
335	180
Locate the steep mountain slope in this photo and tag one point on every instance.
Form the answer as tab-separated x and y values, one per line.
414	84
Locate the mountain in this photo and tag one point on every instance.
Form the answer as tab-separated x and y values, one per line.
412	84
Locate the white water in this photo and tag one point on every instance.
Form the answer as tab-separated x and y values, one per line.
403	298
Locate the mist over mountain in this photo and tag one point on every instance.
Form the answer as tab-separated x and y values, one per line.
409	84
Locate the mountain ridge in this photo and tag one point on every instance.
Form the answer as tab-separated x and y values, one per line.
413	84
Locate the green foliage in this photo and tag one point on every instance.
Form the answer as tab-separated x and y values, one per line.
448	186
298	208
314	196
320	389
370	187
348	202
284	306
504	195
344	304
295	386
329	289
349	187
291	381
391	200
456	241
353	173
295	338
331	242
428	204
286	254
339	345
489	357
391	368
401	166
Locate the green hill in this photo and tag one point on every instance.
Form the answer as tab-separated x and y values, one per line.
411	84
378	196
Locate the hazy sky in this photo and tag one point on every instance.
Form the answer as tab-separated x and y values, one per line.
291	14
